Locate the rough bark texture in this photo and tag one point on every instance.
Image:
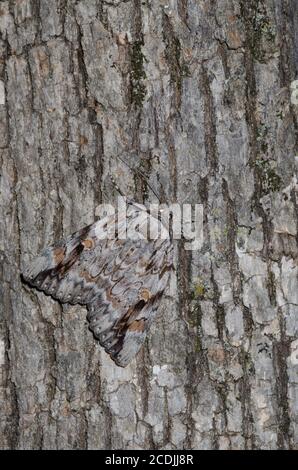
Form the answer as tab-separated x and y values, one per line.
196	94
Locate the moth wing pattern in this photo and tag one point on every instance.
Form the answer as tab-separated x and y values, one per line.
120	280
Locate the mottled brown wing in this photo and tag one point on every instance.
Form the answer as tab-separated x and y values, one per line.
120	281
132	285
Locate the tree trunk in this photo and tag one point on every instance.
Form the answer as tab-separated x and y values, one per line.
196	95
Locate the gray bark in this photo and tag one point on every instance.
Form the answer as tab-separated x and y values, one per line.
197	96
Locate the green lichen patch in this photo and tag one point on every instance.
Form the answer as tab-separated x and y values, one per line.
279	114
265	166
262	24
193	315
200	290
262	134
137	74
178	67
269	178
261	31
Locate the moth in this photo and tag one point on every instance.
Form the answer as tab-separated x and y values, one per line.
120	280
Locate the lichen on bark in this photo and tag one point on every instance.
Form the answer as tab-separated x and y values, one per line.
197	96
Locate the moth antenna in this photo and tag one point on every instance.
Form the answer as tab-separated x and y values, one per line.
137	170
128	199
186	197
116	185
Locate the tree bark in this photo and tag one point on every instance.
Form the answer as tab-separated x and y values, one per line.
197	96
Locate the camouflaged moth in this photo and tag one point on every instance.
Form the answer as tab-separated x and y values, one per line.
120	280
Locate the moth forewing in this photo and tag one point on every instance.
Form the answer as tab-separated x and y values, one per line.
121	280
